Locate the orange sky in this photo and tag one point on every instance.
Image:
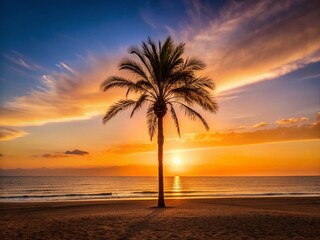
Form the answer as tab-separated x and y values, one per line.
288	150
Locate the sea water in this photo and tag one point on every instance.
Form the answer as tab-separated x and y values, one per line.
14	189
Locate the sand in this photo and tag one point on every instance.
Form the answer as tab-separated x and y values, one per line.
246	218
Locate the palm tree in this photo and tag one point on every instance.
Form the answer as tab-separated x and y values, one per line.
162	80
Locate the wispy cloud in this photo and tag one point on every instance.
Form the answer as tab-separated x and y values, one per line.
65	66
229	94
284	121
248	127
7	134
252	41
23	61
247	41
63	96
260	124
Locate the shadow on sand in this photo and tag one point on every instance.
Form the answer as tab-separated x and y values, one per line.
136	228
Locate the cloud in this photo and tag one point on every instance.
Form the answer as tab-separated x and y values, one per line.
230	94
279	134
251	41
1	155
245	42
63	96
317	122
194	141
52	155
76	152
242	135
65	66
284	121
62	155
243	127
22	61
7	134
260	124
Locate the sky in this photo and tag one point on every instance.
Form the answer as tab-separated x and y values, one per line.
264	57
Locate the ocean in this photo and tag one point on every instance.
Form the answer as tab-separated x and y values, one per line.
22	189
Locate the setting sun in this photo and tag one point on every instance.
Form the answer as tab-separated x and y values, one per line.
177	161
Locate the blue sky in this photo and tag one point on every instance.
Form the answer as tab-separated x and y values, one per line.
263	55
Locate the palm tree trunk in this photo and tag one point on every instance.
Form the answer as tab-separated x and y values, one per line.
160	162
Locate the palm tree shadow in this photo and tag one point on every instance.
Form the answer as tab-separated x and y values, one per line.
136	228
160	208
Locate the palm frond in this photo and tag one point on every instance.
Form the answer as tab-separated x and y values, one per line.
143	98
152	55
199	96
178	79
116	108
154	48
152	122
148	54
133	66
135	50
145	84
193	115
142	86
176	56
116	82
166	49
175	118
202	82
194	64
163	47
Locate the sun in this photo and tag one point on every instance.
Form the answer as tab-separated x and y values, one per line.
176	161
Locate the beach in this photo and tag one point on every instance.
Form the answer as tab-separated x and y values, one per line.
215	218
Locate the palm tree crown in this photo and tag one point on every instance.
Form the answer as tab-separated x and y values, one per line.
163	80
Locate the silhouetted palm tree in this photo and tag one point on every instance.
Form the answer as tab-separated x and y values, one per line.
163	79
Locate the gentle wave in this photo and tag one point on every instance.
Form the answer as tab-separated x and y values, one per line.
16	189
152	194
57	195
264	194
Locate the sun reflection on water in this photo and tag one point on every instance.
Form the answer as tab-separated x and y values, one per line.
176	188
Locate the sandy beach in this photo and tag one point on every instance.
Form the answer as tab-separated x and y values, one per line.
234	218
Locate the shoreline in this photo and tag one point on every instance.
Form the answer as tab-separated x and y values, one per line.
205	218
166	198
249	196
